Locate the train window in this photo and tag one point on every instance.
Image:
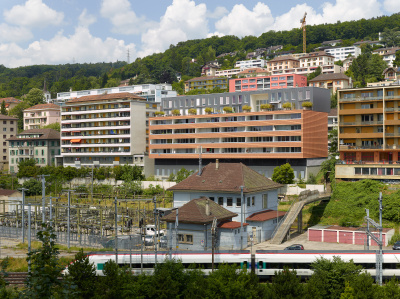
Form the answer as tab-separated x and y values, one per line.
261	265
244	265
100	266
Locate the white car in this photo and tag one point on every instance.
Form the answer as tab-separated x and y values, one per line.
150	230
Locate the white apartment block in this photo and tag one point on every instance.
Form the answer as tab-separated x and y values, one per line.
325	69
316	59
151	92
106	130
227	73
245	64
341	53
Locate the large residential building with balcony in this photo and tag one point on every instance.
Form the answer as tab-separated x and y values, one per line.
282	63
319	58
333	82
341	53
208	83
369	133
252	63
260	139
10	102
9	127
267	82
43	145
41	115
106	130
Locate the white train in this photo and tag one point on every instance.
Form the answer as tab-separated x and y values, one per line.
264	262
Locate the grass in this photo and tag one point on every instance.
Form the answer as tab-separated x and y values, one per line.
21	264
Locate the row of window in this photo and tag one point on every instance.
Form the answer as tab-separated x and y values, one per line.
228	140
250	201
225	150
35	143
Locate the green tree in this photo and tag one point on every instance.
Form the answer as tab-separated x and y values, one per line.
391	37
182	174
128	173
18	112
27	168
3	108
334	100
391	288
114	281
82	274
42	281
286	284
333	139
283	174
396	62
34	97
55	126
34	187
314	74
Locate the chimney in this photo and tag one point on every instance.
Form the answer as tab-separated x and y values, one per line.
216	164
208	207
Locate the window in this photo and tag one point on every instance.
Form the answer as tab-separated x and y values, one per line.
220	201
4	129
185	238
4	157
212	198
253	201
4	150
265	201
238	202
248	201
4	136
4	143
229	201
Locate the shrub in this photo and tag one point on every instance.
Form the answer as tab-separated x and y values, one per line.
394	239
306	104
209	110
287	105
176	112
228	109
192	111
246	108
266	106
159	113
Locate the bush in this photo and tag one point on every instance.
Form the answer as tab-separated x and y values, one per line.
394	239
159	113
312	179
176	112
209	110
283	174
246	108
306	104
266	106
287	105
228	109
192	111
34	187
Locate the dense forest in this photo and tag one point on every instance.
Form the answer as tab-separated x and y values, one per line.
163	67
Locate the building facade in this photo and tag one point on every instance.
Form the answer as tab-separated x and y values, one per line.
151	92
10	102
388	54
267	82
41	115
282	63
341	53
319	58
106	130
42	145
333	82
369	133
252	63
207	83
9	127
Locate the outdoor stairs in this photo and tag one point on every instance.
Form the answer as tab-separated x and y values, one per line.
305	197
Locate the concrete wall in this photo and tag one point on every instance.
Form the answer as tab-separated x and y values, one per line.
295	190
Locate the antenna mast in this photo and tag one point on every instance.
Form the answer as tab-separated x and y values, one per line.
303	25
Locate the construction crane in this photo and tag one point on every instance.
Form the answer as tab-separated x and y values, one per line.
303	25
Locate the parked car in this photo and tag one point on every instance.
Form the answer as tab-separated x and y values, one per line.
295	247
163	242
148	240
396	246
151	230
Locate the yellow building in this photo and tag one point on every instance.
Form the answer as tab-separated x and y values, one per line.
369	133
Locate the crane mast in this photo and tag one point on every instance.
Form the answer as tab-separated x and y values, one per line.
303	25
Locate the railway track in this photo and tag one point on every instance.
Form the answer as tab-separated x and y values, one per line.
16	278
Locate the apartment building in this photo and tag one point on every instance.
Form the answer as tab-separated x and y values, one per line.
333	82
388	54
341	53
252	63
227	73
261	140
209	69
9	127
106	130
43	145
369	133
325	69
282	63
41	115
151	92
208	83
315	59
267	82
253	72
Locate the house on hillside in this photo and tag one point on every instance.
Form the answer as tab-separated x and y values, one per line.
10	102
252	197
195	220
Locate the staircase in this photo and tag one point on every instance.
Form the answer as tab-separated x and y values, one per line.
305	197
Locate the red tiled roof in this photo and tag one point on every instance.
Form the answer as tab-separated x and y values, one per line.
109	96
265	215
43	106
316	54
10	100
282	58
333	77
228	177
195	212
231	224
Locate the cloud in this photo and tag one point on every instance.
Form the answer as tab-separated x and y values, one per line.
182	20
123	19
85	19
242	21
80	47
14	33
392	6
34	13
218	13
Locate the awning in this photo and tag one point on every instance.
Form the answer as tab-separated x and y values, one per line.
75	131
76	140
329	82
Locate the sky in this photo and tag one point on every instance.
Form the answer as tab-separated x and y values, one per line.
77	31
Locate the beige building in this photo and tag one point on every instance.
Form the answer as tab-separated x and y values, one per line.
9	129
40	144
316	59
41	115
331	81
282	63
106	130
10	102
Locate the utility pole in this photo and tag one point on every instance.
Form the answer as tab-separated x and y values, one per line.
29	236
116	230
176	228
157	230
43	197
379	257
241	217
69	218
23	214
213	233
